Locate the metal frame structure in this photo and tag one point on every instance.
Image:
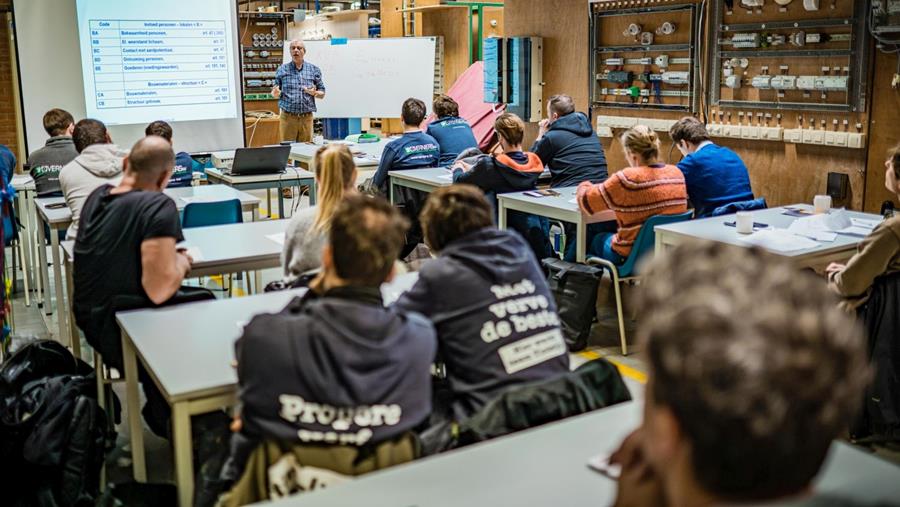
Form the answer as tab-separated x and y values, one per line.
859	55
691	48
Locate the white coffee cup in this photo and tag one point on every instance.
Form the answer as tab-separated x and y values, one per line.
822	204
744	222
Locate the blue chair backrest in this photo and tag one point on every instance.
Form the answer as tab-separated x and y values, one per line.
646	239
203	214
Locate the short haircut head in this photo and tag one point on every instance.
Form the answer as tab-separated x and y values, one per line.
561	104
150	157
161	129
445	106
689	129
453	212
366	236
640	140
413	111
87	132
56	121
510	127
756	362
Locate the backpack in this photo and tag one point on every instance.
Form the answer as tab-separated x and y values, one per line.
574	287
53	434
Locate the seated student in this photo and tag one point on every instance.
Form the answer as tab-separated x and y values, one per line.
568	146
715	176
306	234
511	171
335	378
185	166
125	249
413	150
645	188
478	268
453	134
99	162
45	163
753	372
879	252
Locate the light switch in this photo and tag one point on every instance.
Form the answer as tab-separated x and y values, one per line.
856	140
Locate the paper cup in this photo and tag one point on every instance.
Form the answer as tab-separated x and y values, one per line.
822	204
744	222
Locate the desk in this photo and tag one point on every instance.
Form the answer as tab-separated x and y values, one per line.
559	207
60	218
188	351
714	229
25	195
548	466
426	180
291	177
364	154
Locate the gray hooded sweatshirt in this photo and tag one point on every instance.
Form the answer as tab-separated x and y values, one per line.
98	164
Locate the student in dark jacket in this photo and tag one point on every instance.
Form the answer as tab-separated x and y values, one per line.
453	134
715	176
568	145
413	150
513	170
495	317
336	366
45	163
185	167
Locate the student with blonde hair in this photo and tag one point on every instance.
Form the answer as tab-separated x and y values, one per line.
645	188
308	230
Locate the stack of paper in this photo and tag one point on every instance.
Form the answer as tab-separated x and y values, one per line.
779	240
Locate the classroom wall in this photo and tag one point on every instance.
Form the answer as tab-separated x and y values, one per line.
784	173
8	100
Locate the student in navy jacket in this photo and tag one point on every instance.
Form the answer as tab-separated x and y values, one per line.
453	134
715	176
512	171
336	366
413	150
568	145
185	167
495	317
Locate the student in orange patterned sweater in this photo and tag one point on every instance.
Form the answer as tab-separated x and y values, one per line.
645	188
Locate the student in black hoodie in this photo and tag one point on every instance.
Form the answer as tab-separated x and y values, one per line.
338	347
514	170
568	145
495	317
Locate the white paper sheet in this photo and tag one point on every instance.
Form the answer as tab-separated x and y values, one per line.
865	224
807	227
779	240
448	177
573	200
197	198
278	238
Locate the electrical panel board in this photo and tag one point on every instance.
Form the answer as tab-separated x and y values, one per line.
645	57
513	75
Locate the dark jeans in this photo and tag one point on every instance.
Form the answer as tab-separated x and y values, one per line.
592	231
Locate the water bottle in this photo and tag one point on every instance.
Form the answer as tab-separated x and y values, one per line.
556	237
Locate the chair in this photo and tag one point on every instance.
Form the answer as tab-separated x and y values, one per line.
205	214
644	243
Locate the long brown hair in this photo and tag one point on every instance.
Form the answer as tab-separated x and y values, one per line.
335	172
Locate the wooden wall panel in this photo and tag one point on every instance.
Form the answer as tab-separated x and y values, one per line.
450	23
884	129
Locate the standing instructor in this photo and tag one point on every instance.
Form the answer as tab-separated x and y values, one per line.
298	84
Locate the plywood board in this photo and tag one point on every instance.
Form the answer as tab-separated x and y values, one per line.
884	130
449	23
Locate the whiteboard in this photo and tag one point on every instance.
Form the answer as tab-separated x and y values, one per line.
370	78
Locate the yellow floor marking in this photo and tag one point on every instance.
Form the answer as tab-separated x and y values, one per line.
624	369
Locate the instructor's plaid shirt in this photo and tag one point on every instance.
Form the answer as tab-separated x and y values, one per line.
292	82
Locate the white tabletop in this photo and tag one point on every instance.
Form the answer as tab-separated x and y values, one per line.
190	347
364	154
290	175
22	182
202	193
548	466
562	207
256	244
435	176
714	229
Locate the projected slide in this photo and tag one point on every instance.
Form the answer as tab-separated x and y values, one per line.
138	68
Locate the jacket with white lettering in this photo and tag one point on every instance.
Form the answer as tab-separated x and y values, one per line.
494	314
336	369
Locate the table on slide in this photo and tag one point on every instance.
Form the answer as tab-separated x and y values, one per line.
560	207
292	176
548	466
141	63
189	351
426	180
59	219
714	229
218	249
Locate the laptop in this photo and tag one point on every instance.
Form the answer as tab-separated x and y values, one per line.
263	160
